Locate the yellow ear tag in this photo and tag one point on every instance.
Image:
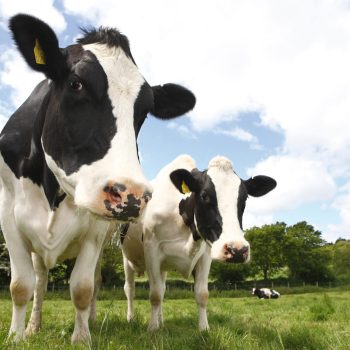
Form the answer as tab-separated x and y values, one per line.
39	53
185	188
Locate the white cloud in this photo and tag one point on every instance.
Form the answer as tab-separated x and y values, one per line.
342	204
251	219
241	135
43	9
299	181
18	76
182	130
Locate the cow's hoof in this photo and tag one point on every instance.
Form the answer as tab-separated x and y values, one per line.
203	328
130	318
81	338
32	329
152	327
15	337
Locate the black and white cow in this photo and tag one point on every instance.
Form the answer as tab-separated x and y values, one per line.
69	166
186	231
265	293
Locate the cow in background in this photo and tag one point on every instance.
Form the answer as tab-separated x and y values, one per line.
195	216
265	293
69	167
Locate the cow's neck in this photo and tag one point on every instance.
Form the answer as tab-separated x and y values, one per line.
35	167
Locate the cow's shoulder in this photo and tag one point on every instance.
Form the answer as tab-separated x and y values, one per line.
17	137
20	144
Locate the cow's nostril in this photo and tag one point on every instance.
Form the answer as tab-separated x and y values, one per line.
147	195
245	250
115	196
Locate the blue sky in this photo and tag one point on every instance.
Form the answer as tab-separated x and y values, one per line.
272	83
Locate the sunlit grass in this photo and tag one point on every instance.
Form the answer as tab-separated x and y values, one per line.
307	321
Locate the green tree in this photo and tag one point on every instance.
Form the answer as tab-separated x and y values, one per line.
225	272
341	259
305	253
112	270
266	247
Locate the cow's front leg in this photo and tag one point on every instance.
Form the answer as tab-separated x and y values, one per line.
160	315
152	260
129	288
97	286
201	289
82	282
21	287
41	273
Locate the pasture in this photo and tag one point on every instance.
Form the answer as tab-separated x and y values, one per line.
305	321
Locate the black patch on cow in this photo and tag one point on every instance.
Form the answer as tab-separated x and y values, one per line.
79	125
108	36
186	210
274	295
143	105
241	201
208	218
260	294
200	211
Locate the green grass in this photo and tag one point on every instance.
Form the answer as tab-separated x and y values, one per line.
306	321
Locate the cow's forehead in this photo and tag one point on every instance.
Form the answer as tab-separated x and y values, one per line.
221	172
122	73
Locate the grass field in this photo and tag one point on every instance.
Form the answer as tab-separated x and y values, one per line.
306	321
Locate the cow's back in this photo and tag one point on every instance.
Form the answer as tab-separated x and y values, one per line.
165	192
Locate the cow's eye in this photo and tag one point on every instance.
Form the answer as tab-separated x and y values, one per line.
205	197
76	85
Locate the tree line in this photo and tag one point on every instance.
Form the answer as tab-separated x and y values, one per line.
297	252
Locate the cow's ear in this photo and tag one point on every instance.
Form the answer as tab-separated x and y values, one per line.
171	101
260	185
39	45
184	181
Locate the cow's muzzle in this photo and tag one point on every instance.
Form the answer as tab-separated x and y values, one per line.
236	255
125	201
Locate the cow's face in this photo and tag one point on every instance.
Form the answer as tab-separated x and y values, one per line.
220	197
92	114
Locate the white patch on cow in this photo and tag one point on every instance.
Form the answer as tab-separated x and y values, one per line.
120	164
226	184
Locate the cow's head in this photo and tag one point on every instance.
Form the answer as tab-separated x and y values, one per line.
219	198
96	103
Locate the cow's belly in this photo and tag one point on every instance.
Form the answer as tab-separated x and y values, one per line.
51	234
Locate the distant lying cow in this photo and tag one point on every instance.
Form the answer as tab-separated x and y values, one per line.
186	226
265	293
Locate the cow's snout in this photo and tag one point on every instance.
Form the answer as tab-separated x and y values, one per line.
125	201
236	254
